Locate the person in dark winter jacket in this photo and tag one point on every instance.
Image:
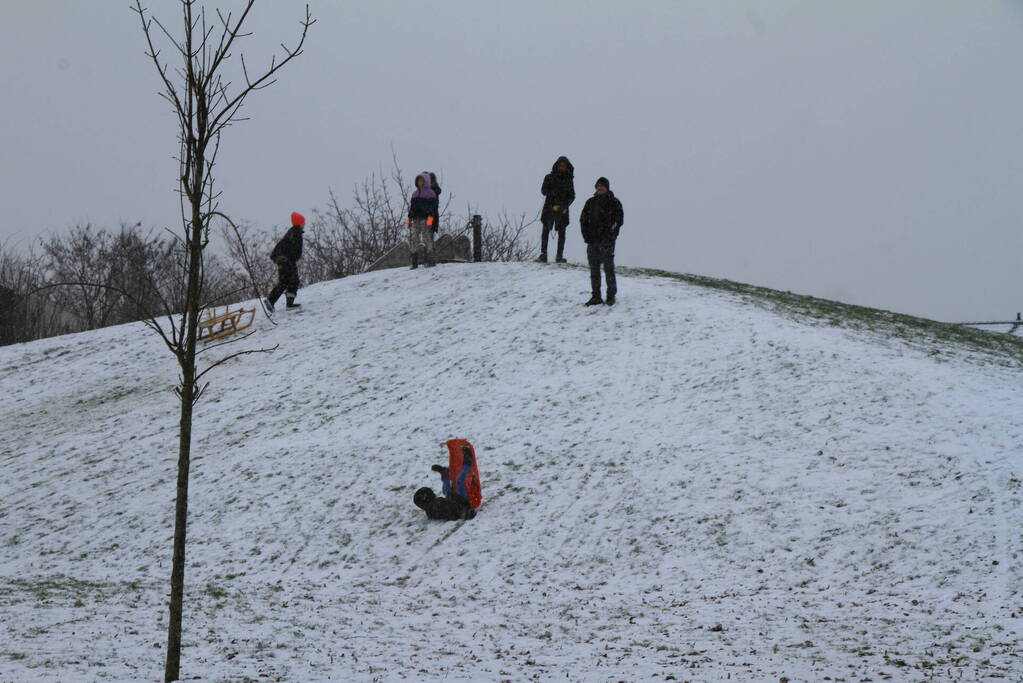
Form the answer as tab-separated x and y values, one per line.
286	254
558	190
455	503
422	217
601	219
435	186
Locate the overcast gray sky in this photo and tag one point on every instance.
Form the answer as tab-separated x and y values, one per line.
867	150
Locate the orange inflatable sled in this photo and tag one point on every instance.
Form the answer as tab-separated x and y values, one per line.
472	479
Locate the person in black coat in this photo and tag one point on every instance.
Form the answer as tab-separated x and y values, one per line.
286	254
435	186
601	219
558	189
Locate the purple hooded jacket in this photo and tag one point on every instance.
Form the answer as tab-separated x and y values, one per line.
424	201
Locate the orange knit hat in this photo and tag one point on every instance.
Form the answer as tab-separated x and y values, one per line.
297	218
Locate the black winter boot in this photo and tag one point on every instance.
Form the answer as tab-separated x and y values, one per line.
610	301
292	304
274	295
594	300
560	258
542	258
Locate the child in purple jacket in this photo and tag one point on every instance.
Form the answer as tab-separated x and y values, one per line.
423	212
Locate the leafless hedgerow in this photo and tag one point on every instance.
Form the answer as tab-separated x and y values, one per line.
26	315
111	278
343	240
82	257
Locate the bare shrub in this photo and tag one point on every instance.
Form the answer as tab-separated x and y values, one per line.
247	263
82	258
346	240
25	314
504	237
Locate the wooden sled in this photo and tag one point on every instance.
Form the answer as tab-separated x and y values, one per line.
217	324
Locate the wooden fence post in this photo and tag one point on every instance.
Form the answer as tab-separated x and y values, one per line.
477	238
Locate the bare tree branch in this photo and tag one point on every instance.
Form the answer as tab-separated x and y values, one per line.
228	110
149	319
247	352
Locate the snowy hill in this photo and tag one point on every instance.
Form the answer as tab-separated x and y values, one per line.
702	481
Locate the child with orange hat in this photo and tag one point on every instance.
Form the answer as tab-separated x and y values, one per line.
286	254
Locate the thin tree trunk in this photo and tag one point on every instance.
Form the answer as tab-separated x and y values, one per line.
173	666
187	393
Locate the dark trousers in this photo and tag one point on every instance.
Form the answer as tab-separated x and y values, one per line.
602	254
548	225
287	282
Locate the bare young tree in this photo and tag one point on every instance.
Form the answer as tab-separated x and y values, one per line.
205	100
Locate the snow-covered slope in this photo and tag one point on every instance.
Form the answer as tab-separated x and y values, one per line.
683	487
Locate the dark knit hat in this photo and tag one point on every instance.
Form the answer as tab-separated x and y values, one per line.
424	497
603	181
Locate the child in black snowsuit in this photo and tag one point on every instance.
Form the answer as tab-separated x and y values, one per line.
286	254
455	504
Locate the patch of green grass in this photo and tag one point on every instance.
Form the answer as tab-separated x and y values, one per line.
216	592
109	396
919	331
62	588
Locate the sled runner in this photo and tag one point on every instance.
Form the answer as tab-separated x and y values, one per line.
472	480
216	324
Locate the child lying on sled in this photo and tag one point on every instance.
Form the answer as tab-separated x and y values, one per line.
455	503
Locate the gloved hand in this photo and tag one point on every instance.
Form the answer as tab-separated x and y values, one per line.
438	468
556	208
